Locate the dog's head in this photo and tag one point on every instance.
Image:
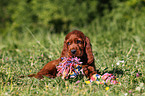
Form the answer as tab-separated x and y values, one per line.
76	44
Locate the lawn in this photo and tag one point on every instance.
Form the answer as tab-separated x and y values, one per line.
28	52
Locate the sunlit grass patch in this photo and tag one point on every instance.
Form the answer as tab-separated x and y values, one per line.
119	54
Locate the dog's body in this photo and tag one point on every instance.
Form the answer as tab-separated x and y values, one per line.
76	44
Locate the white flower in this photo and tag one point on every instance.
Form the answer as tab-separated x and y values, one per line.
6	93
120	62
126	94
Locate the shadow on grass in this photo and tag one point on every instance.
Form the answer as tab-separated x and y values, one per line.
114	71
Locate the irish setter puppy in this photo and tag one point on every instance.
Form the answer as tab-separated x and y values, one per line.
76	44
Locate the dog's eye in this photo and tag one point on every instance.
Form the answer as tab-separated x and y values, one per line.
78	41
68	43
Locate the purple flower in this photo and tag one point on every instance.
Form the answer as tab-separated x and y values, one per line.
130	91
78	82
137	74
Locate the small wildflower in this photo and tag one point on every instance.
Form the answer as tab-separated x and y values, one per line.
66	87
101	82
87	82
107	88
30	57
98	82
78	82
120	62
29	70
130	91
17	93
6	93
31	63
117	63
137	74
126	94
2	59
46	86
41	55
138	88
7	58
117	79
136	66
8	83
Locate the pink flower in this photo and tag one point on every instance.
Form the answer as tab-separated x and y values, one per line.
7	58
78	82
130	91
2	59
137	74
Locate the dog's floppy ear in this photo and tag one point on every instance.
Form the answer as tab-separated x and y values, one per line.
88	51
64	51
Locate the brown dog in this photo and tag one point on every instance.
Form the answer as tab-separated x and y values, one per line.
76	44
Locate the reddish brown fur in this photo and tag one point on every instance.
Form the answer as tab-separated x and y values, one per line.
75	40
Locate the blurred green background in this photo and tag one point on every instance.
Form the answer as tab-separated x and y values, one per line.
57	16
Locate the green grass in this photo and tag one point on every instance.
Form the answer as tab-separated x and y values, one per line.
27	53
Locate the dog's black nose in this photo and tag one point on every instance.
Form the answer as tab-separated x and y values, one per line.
73	51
